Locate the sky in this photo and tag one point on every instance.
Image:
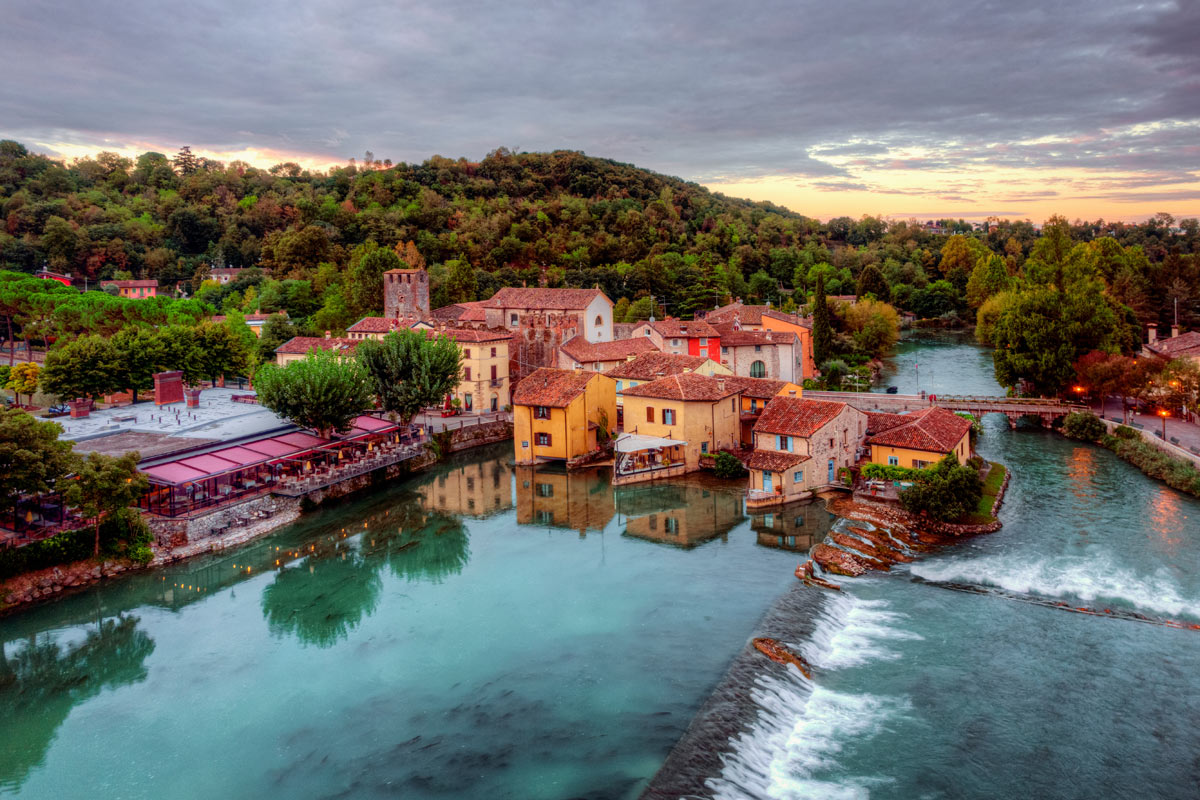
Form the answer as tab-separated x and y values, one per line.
938	109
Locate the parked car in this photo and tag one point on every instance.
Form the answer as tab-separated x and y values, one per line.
892	389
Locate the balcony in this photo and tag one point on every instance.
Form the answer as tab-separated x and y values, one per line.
496	383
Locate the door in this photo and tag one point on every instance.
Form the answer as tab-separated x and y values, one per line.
831	470
767	481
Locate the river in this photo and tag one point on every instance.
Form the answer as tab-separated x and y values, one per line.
485	631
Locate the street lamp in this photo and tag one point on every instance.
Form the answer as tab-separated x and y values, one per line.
1164	414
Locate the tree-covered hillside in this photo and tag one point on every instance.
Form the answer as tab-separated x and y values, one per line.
322	241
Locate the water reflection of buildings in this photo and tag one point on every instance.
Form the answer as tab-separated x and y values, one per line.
471	489
794	527
550	496
684	515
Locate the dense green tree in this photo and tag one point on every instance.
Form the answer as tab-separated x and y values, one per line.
218	351
410	371
364	278
822	336
1041	332
135	356
86	367
322	391
32	456
105	484
989	277
871	283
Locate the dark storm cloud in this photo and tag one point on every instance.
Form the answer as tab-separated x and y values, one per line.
704	90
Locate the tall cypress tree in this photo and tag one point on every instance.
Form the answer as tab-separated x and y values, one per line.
822	336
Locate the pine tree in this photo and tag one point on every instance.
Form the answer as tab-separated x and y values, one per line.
822	336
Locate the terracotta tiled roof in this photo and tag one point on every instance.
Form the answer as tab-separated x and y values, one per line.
300	345
684	386
795	319
649	366
130	284
774	460
795	416
383	324
551	299
583	351
371	325
672	328
878	422
551	387
472	334
934	430
1185	344
745	338
759	388
752	315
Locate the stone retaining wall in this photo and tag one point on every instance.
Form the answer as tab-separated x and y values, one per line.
1148	436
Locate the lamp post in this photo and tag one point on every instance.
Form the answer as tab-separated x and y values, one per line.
1164	414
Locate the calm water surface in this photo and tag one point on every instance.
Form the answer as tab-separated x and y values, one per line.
477	631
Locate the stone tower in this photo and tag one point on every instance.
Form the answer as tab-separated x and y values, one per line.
406	294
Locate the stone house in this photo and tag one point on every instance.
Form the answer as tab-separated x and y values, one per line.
918	439
702	412
799	446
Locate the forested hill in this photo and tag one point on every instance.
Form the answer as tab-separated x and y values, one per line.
559	219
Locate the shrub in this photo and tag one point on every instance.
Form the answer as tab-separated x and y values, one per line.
885	472
946	491
727	465
1126	432
975	462
1083	425
123	534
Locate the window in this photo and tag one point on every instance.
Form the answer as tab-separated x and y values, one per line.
466	373
541	412
893	461
649	413
798	476
545	517
671	525
468	402
733	403
668	416
545	490
620	385
753	405
758	369
674	343
541	439
921	464
783	443
512	319
493	372
758	348
703	341
647	331
704	447
830	442
724	350
467	353
599	321
493	352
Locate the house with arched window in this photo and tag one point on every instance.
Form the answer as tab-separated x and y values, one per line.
775	355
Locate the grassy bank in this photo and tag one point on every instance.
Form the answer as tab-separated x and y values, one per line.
993	484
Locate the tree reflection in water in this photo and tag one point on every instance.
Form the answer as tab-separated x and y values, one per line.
324	597
41	682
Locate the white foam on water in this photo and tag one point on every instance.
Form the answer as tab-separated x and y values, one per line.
851	632
1085	579
802	727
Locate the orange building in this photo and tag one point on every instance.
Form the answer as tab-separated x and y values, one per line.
918	439
133	289
557	414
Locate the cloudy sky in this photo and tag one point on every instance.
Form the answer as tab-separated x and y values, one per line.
938	108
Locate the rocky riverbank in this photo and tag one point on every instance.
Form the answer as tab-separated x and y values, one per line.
45	584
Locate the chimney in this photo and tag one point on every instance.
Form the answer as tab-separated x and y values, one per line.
630	357
578	368
768	305
720	384
791	392
328	335
1152	333
1174	331
687	369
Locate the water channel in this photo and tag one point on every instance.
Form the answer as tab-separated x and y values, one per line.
481	630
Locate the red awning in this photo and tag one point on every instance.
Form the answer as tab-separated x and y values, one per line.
174	473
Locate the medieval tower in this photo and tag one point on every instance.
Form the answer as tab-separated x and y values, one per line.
406	294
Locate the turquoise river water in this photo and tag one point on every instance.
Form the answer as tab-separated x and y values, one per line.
486	631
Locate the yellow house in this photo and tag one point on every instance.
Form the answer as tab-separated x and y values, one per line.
133	290
702	412
918	439
647	367
756	393
484	385
800	445
557	413
679	515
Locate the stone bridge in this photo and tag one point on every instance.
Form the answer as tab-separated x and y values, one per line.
1047	409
